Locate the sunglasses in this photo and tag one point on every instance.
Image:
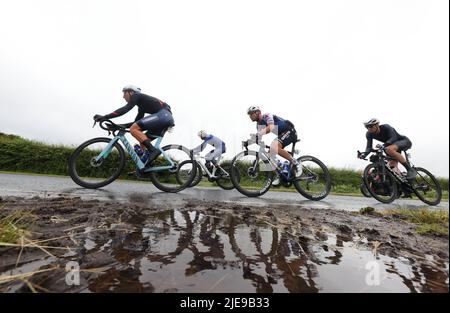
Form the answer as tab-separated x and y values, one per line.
370	126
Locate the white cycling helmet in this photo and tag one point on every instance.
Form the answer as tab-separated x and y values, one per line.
132	88
371	122
202	134
253	108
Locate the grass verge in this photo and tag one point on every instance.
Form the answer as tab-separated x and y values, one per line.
428	221
15	226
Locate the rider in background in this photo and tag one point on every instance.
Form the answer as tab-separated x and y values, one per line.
214	155
160	119
393	144
287	134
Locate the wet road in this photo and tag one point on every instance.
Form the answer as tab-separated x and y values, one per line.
138	191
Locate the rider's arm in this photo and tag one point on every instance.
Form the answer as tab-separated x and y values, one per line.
121	111
139	115
198	149
369	143
202	146
266	129
268	118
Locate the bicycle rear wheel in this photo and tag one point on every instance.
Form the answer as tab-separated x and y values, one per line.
427	187
250	175
380	184
180	175
198	177
224	181
88	171
315	181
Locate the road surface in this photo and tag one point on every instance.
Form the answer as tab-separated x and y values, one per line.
22	185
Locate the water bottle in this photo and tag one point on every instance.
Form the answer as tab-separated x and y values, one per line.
286	168
143	155
279	164
138	150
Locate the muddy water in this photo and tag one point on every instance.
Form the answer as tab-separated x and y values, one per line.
191	251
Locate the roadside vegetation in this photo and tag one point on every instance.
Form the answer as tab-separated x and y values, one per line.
21	155
14	227
429	221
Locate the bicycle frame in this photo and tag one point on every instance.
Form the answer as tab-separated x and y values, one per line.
141	165
272	163
197	159
384	162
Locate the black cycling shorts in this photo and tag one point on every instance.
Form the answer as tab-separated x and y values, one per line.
287	137
403	144
156	123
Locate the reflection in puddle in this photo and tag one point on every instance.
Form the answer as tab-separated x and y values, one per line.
188	251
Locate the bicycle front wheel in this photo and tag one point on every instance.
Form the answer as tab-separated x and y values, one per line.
92	165
380	183
427	187
250	175
364	191
315	181
175	171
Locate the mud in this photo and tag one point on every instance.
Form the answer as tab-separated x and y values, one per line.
206	246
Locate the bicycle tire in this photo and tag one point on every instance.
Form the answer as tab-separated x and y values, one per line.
394	193
415	188
78	179
364	190
326	175
198	177
158	180
226	183
237	181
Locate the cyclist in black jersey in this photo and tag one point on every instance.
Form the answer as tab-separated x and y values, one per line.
160	119
393	144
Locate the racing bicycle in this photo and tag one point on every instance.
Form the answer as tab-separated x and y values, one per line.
99	161
386	184
253	171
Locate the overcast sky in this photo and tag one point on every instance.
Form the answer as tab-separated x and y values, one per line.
325	65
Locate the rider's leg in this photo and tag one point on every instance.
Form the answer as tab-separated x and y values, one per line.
145	143
284	139
136	132
393	151
209	157
277	148
155	124
393	164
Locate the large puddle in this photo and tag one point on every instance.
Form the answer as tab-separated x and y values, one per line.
192	251
189	251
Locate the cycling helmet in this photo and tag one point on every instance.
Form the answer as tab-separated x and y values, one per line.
202	134
253	108
371	122
132	88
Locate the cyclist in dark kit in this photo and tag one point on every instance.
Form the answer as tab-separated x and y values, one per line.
160	119
393	144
